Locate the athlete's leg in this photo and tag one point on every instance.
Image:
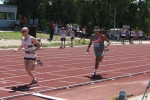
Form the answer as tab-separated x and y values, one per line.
72	42
28	67
97	60
132	40
83	40
61	43
36	63
123	40
64	42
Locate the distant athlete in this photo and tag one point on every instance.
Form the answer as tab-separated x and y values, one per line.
63	37
123	36
140	35
30	61
98	42
72	35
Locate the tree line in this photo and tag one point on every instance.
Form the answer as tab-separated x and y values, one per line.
106	14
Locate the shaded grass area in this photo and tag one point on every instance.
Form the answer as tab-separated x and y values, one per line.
10	35
55	42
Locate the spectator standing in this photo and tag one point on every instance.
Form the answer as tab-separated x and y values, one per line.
18	24
83	35
63	37
59	26
56	28
51	26
74	28
72	35
123	36
14	26
24	21
132	34
70	28
31	22
36	22
140	35
67	29
78	31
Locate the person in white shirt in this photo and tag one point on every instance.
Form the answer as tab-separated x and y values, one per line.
132	34
63	37
18	24
123	36
28	44
83	35
140	35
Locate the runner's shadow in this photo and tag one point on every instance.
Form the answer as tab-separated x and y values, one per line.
21	88
95	77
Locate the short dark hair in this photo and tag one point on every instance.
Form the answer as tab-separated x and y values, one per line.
96	28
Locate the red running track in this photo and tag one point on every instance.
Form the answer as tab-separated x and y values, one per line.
69	67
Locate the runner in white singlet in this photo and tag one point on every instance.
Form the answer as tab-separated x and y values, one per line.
29	52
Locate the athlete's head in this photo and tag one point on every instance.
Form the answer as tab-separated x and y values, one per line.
63	28
24	31
84	29
96	30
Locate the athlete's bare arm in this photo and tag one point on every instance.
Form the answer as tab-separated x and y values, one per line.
21	46
106	39
38	44
89	45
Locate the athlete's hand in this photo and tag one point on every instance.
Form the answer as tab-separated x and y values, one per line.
40	48
87	50
15	50
32	52
106	49
106	46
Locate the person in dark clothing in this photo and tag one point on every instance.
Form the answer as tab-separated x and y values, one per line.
51	26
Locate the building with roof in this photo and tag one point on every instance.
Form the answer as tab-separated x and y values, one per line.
7	15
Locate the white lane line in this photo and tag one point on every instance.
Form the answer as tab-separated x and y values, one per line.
47	97
87	67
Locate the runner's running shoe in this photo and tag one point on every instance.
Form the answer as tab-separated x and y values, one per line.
33	82
39	62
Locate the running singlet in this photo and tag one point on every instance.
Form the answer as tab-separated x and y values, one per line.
140	33
63	33
83	32
28	47
123	34
132	33
98	43
71	34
